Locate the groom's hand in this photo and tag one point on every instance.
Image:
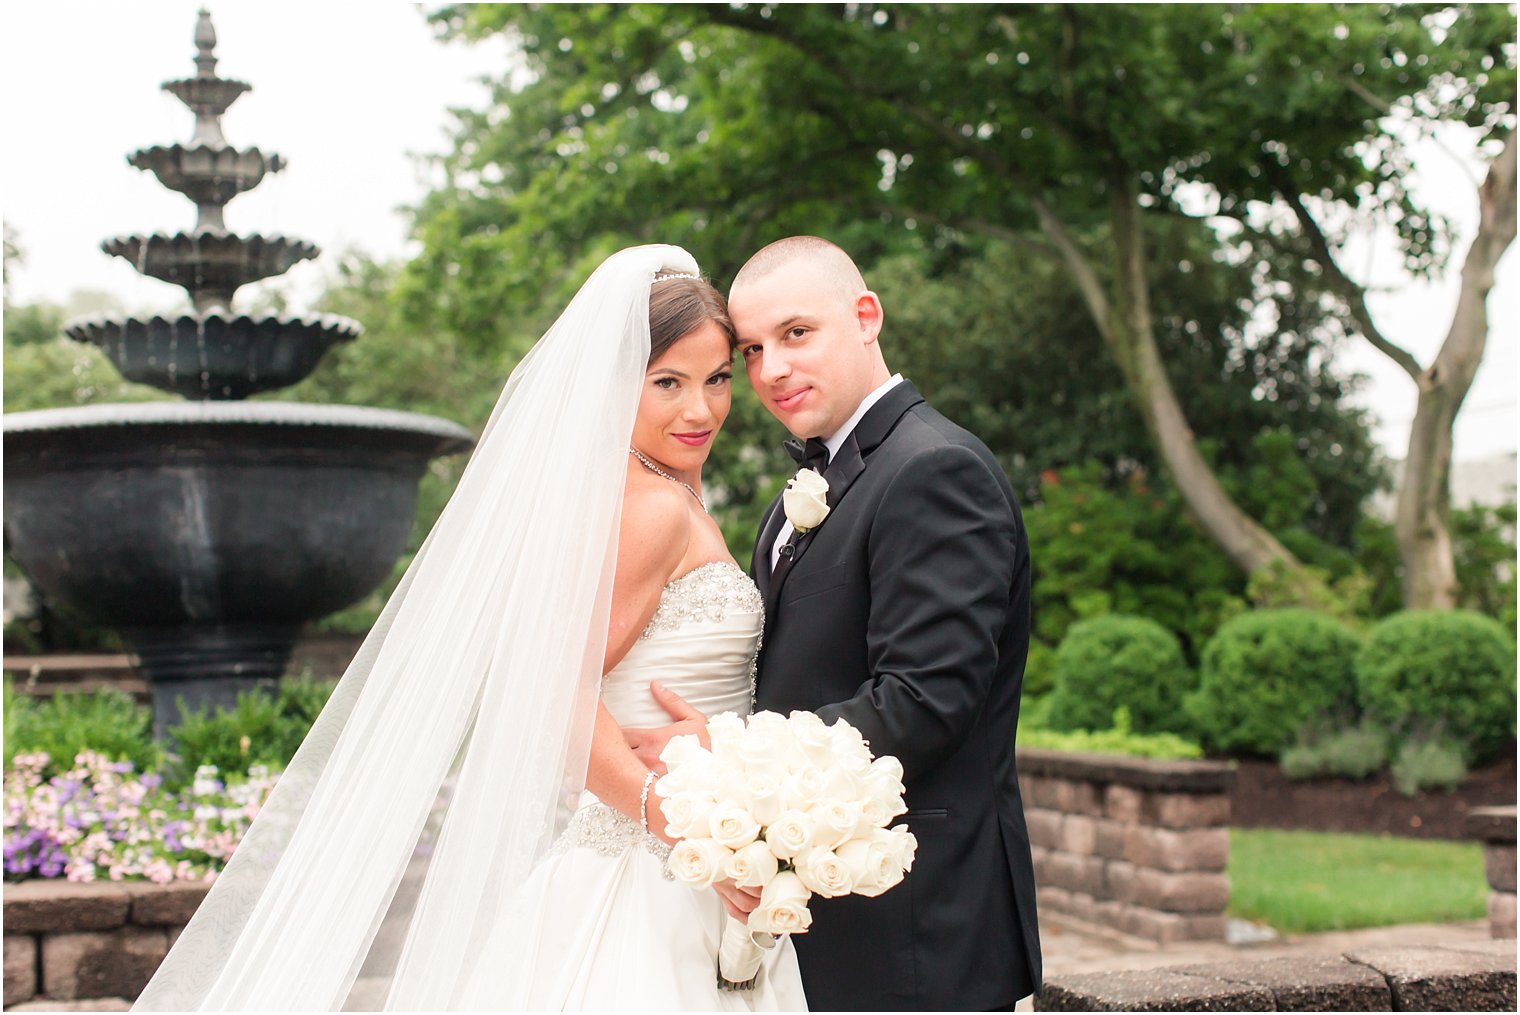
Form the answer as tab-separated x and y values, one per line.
740	902
647	744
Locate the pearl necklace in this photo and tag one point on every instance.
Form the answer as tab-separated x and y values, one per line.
644	461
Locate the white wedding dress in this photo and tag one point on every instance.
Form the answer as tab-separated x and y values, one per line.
599	924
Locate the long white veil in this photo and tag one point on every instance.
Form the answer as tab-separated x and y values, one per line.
454	746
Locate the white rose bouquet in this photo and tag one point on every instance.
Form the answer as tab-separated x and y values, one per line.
787	805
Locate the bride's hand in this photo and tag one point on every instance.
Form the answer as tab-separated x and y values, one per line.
647	744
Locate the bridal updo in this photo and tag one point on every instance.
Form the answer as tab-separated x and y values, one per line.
678	306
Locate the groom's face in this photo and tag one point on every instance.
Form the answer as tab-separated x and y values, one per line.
808	346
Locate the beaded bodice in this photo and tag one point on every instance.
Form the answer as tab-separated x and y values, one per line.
701	643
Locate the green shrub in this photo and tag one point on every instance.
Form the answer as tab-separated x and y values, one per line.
1424	671
1354	753
1428	763
1039	670
1035	712
1115	660
20	711
1118	740
1266	674
107	722
259	730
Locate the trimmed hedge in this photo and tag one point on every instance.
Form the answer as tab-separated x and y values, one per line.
1447	673
1266	674
1113	661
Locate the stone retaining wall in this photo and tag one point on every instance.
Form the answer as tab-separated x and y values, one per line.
1475	978
1131	844
1495	827
66	943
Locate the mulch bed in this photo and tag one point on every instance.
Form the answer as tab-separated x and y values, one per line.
1265	798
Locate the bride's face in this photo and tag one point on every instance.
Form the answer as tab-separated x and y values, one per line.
685	399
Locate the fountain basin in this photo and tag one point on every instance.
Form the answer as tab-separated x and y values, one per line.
206	174
215	355
208	533
211	265
207	96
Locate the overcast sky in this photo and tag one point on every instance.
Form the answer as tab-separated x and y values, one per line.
349	92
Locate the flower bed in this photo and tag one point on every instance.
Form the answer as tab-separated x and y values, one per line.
102	821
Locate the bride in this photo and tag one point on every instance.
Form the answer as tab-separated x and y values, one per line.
464	827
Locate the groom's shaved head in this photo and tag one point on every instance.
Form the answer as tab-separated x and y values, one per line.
822	258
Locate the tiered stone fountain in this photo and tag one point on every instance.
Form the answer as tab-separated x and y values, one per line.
209	531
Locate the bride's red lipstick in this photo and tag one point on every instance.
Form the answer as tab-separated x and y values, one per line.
695	440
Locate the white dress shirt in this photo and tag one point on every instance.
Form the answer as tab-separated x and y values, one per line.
834	442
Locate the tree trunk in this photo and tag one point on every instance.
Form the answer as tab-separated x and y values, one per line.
1421	521
1130	335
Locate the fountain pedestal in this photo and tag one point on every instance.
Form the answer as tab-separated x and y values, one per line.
208	532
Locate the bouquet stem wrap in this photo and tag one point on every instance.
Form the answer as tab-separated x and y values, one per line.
740	953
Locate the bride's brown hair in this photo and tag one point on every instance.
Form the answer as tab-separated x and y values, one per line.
678	306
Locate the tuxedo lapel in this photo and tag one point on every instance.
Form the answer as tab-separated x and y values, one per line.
841	474
760	562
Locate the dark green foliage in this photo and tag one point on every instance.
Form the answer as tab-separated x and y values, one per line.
1039	670
1000	342
260	730
1483	545
106	722
1428	763
1265	674
1130	550
1114	661
1447	673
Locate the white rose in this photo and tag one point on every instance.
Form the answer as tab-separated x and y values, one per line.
682	750
834	822
823	872
803	789
789	834
805	500
849	745
876	812
872	865
906	845
766	720
724	731
888	769
732	825
753	866
698	862
800	719
842	784
763	792
783	906
766	742
813	738
686	814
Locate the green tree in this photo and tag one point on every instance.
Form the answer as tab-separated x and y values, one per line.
721	126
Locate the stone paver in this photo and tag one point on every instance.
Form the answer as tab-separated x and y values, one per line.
1071	947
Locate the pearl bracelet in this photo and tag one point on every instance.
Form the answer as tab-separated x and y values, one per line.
644	799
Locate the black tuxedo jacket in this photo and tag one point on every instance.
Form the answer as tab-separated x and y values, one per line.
906	612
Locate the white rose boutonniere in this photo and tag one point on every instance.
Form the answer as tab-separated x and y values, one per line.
805	500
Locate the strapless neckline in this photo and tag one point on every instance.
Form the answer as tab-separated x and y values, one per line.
701	643
707	592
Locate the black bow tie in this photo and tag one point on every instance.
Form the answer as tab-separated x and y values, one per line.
812	455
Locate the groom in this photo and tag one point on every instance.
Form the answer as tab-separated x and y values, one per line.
905	611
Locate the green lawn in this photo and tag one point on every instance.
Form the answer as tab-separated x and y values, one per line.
1312	881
